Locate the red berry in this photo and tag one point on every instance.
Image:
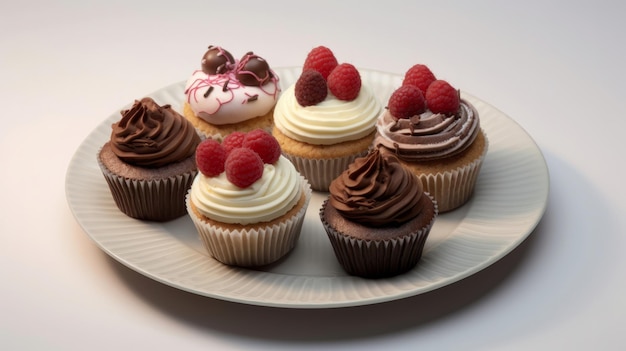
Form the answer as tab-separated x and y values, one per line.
406	102
210	157
345	82
320	59
243	167
264	144
420	76
233	140
311	88
441	97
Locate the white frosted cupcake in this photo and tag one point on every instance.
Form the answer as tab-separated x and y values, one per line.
325	120
227	94
248	207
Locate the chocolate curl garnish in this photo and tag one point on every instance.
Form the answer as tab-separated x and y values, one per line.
414	121
253	98
396	148
208	91
225	87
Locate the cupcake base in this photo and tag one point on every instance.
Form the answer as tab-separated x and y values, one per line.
451	182
378	252
321	164
207	130
252	244
144	193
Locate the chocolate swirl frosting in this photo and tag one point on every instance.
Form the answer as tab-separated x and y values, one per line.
149	135
376	190
430	135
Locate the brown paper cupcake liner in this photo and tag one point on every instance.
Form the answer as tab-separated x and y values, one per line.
155	200
251	247
453	188
377	259
321	172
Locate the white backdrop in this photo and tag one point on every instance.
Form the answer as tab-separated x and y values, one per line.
557	69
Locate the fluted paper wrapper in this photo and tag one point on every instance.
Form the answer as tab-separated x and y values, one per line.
321	172
155	200
377	258
453	188
251	247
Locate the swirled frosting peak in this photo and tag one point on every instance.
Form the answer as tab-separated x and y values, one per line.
268	198
149	135
429	135
376	190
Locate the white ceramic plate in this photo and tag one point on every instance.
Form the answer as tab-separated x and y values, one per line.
509	200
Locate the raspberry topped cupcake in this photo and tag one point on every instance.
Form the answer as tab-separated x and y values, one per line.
248	202
326	119
435	133
227	95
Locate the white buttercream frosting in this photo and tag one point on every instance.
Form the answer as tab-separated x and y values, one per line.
233	104
270	197
331	121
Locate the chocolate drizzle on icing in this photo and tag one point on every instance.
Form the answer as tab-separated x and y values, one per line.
430	135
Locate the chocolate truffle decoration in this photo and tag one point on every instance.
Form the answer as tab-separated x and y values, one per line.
216	60
253	70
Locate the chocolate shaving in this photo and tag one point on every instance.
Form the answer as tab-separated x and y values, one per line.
415	120
253	97
396	148
208	91
225	87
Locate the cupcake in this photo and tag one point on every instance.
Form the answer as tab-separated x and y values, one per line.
326	118
228	95
435	133
248	202
377	217
149	161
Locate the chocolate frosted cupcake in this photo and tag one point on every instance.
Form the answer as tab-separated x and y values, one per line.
437	135
227	95
377	217
149	162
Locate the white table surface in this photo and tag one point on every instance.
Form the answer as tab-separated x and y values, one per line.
557	69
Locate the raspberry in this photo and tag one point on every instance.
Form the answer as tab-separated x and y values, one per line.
420	76
344	82
406	102
320	59
441	97
233	140
264	144
311	88
210	157
243	167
